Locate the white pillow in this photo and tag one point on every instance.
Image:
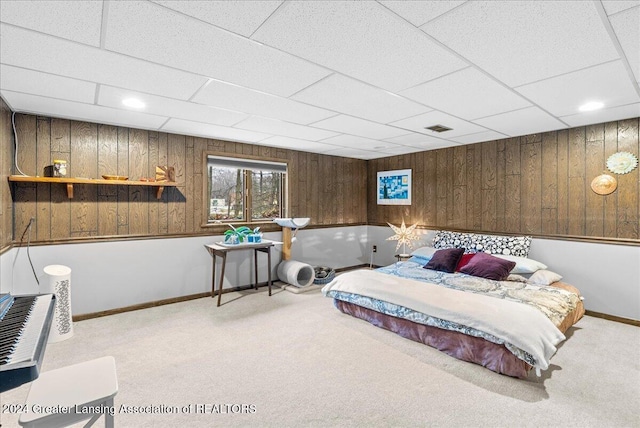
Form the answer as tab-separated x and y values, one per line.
523	264
544	277
424	252
516	278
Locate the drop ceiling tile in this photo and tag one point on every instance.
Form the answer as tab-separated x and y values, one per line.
356	153
285	129
112	97
234	97
529	120
206	130
35	51
400	150
360	39
421	12
525	41
420	122
74	20
468	94
351	141
626	25
241	17
363	128
606	115
479	137
297	144
346	95
79	111
615	6
415	139
442	144
169	38
563	95
46	85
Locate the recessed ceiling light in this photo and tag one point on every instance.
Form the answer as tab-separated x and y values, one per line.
133	102
590	106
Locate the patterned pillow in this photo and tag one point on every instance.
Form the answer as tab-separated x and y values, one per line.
475	243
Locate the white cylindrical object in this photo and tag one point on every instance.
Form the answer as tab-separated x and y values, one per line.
296	273
60	284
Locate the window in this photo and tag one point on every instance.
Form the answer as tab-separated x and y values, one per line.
244	190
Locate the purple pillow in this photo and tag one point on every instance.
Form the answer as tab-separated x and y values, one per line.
487	266
445	260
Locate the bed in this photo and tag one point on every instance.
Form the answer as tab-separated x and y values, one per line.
509	322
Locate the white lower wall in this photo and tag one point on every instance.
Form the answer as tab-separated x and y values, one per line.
109	275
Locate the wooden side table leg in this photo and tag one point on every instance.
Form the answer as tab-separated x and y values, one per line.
213	277
269	267
224	264
255	267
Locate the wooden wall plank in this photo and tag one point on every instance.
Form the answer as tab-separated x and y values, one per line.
138	196
60	203
562	225
501	184
577	185
176	152
84	161
6	166
489	153
189	185
594	161
442	188
531	187
477	188
43	191
26	154
107	195
153	156
163	204
549	187
628	216
610	201
123	191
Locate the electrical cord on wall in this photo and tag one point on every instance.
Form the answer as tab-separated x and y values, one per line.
27	229
15	145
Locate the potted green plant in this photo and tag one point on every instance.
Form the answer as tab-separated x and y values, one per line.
236	235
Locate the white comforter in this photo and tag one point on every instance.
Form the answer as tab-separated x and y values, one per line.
519	324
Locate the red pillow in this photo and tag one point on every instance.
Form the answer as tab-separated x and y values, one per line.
445	260
487	266
466	258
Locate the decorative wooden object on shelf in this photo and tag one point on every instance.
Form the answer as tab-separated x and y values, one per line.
71	181
165	173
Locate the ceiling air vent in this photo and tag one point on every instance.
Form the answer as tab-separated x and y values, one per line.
438	128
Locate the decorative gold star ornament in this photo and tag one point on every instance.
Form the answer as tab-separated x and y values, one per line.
404	235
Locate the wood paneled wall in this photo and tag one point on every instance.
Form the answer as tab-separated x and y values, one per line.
536	184
329	189
6	151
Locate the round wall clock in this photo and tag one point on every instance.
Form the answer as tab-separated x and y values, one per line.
622	162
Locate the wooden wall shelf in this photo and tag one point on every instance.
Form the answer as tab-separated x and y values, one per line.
160	185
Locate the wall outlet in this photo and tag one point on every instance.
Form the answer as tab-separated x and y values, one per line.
375	248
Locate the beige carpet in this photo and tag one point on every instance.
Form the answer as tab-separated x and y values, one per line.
294	360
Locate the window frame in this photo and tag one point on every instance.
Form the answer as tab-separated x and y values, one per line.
206	223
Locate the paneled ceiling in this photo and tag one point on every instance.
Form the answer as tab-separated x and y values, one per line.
361	79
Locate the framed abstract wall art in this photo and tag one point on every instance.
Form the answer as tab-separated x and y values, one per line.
394	187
